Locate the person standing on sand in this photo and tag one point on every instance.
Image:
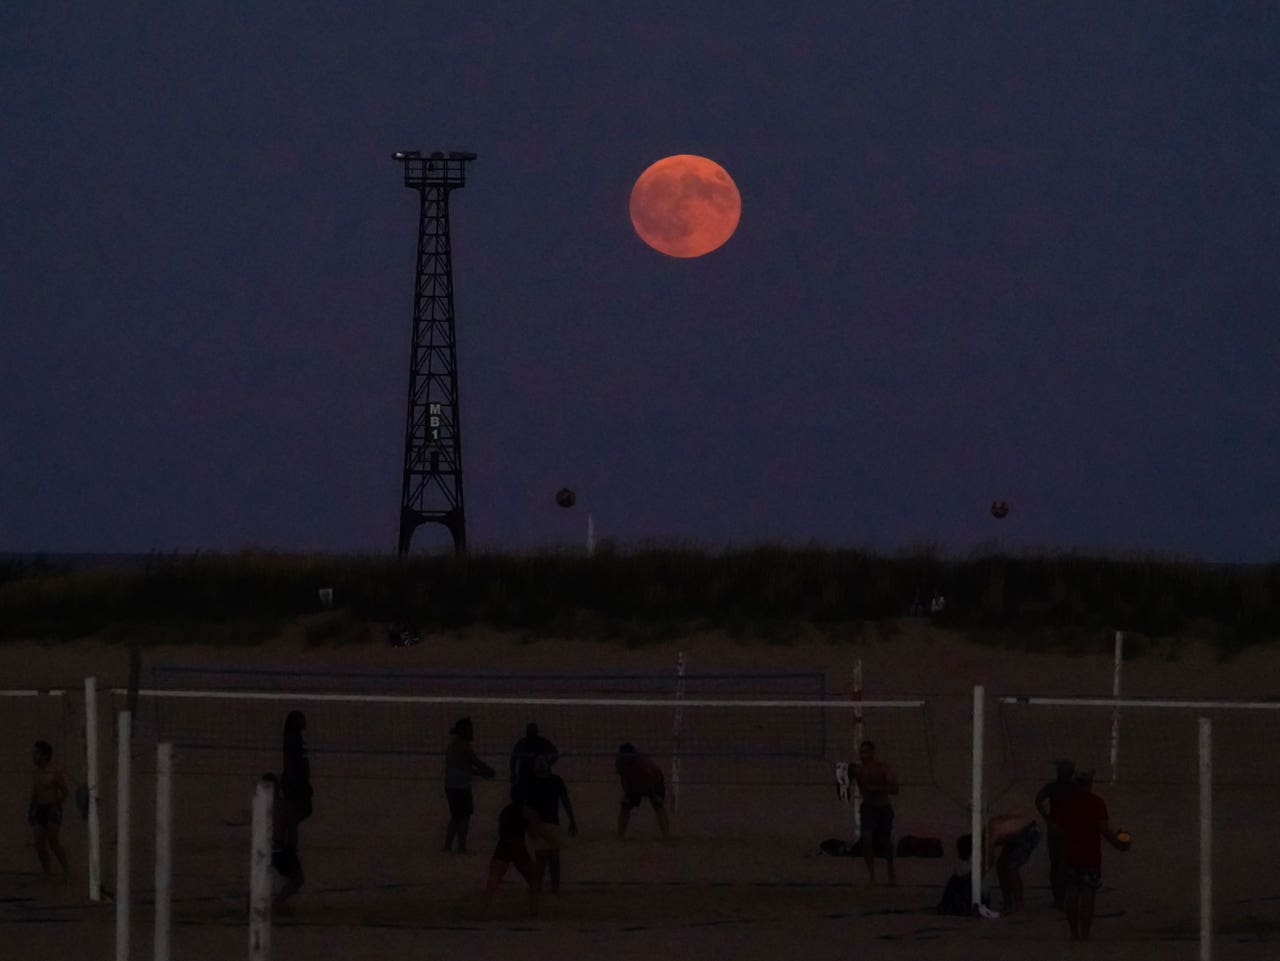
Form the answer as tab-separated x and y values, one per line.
542	796
460	763
44	814
1083	817
877	784
530	746
1048	802
511	851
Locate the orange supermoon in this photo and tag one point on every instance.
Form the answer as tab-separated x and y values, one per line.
685	206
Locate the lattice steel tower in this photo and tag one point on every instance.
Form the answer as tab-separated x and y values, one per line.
432	489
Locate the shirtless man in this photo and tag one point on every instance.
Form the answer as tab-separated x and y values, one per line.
48	791
1010	840
877	784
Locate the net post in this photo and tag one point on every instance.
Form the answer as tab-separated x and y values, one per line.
1206	839
975	803
260	874
91	777
855	792
1115	710
124	729
591	536
677	726
164	847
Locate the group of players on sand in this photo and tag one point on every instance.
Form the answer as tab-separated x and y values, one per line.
1076	820
1075	825
533	813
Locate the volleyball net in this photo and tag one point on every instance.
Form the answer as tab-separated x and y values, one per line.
779	728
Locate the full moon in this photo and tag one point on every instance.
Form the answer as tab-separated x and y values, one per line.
685	206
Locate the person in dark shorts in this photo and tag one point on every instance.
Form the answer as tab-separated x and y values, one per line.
543	795
1048	800
877	783
529	747
295	777
1083	817
284	844
1010	840
44	814
641	778
460	763
511	851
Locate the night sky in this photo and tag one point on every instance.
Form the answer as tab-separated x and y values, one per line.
1010	250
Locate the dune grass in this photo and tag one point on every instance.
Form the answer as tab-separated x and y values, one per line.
765	593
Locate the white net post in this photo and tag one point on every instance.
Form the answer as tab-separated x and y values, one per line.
91	778
123	757
855	792
1115	709
164	848
677	725
976	802
1206	839
260	875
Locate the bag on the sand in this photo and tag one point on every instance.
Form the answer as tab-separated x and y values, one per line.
910	846
841	849
955	896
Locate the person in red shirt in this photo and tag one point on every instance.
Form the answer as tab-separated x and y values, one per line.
1082	817
641	778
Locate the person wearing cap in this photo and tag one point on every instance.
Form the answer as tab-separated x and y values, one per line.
460	764
1082	816
1048	801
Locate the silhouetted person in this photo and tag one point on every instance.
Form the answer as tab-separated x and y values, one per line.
460	763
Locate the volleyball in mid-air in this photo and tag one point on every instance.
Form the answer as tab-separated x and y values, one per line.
999	509
566	498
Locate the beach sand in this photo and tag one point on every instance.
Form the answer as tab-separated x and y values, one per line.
742	877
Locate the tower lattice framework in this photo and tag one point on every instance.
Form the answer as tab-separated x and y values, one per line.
432	486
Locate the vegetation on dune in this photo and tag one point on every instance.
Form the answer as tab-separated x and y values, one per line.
763	592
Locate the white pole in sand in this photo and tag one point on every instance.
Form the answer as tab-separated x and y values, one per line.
1206	839
975	803
123	775
1115	710
164	847
855	791
260	875
91	776
677	731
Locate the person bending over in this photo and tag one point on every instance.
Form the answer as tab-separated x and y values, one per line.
641	779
